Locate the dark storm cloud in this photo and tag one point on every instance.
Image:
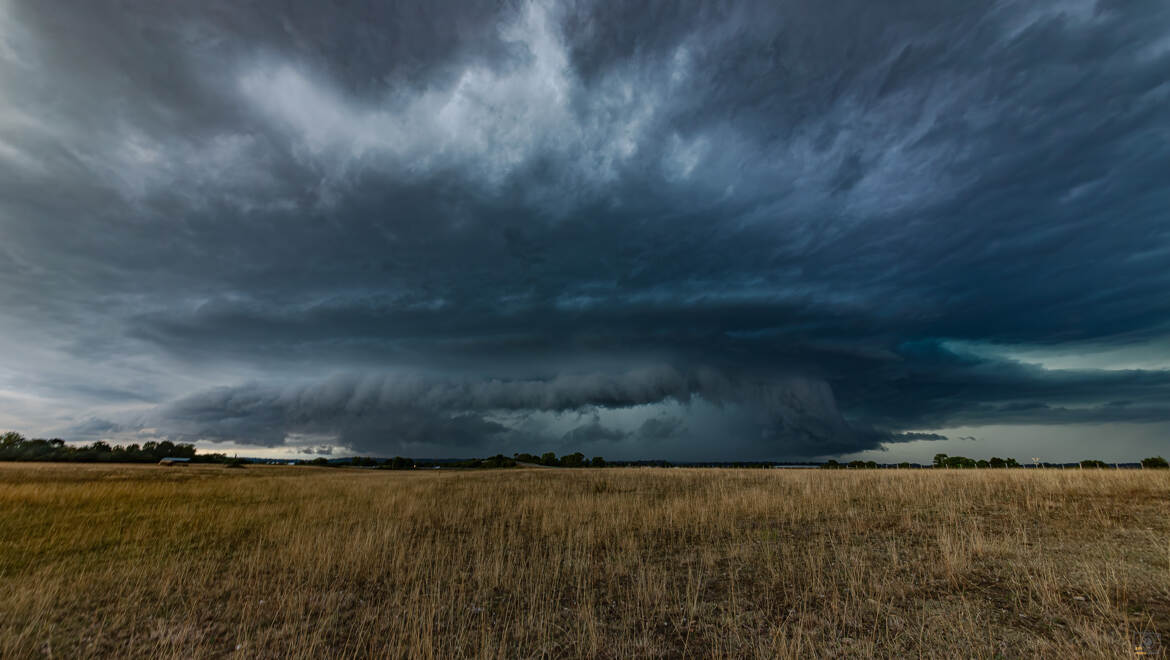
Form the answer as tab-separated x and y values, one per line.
661	428
791	213
407	413
591	434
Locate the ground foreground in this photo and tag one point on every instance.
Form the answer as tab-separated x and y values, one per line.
310	562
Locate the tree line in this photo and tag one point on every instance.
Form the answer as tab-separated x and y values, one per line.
576	459
962	462
15	447
400	463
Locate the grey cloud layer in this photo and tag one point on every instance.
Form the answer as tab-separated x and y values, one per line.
408	412
501	198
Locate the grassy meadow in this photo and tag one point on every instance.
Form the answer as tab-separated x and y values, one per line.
205	561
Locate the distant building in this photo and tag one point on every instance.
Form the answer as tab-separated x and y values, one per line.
172	460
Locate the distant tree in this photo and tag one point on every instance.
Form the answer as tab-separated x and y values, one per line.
940	460
597	462
982	463
10	439
576	459
1012	463
1093	463
548	458
398	463
831	465
957	461
499	461
1156	462
857	465
997	462
904	464
320	460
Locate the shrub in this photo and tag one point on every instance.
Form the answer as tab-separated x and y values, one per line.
398	463
498	461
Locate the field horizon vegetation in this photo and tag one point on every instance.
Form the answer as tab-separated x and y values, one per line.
304	561
15	447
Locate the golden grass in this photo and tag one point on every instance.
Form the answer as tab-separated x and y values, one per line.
310	562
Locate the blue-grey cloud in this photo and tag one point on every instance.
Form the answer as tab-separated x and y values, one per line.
413	414
790	213
657	429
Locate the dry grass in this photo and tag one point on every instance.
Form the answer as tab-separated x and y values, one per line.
268	561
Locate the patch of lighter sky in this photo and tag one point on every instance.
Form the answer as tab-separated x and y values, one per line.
1149	355
1063	443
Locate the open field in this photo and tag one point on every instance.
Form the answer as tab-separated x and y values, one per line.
310	562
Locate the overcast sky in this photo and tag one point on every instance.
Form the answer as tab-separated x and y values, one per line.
640	230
